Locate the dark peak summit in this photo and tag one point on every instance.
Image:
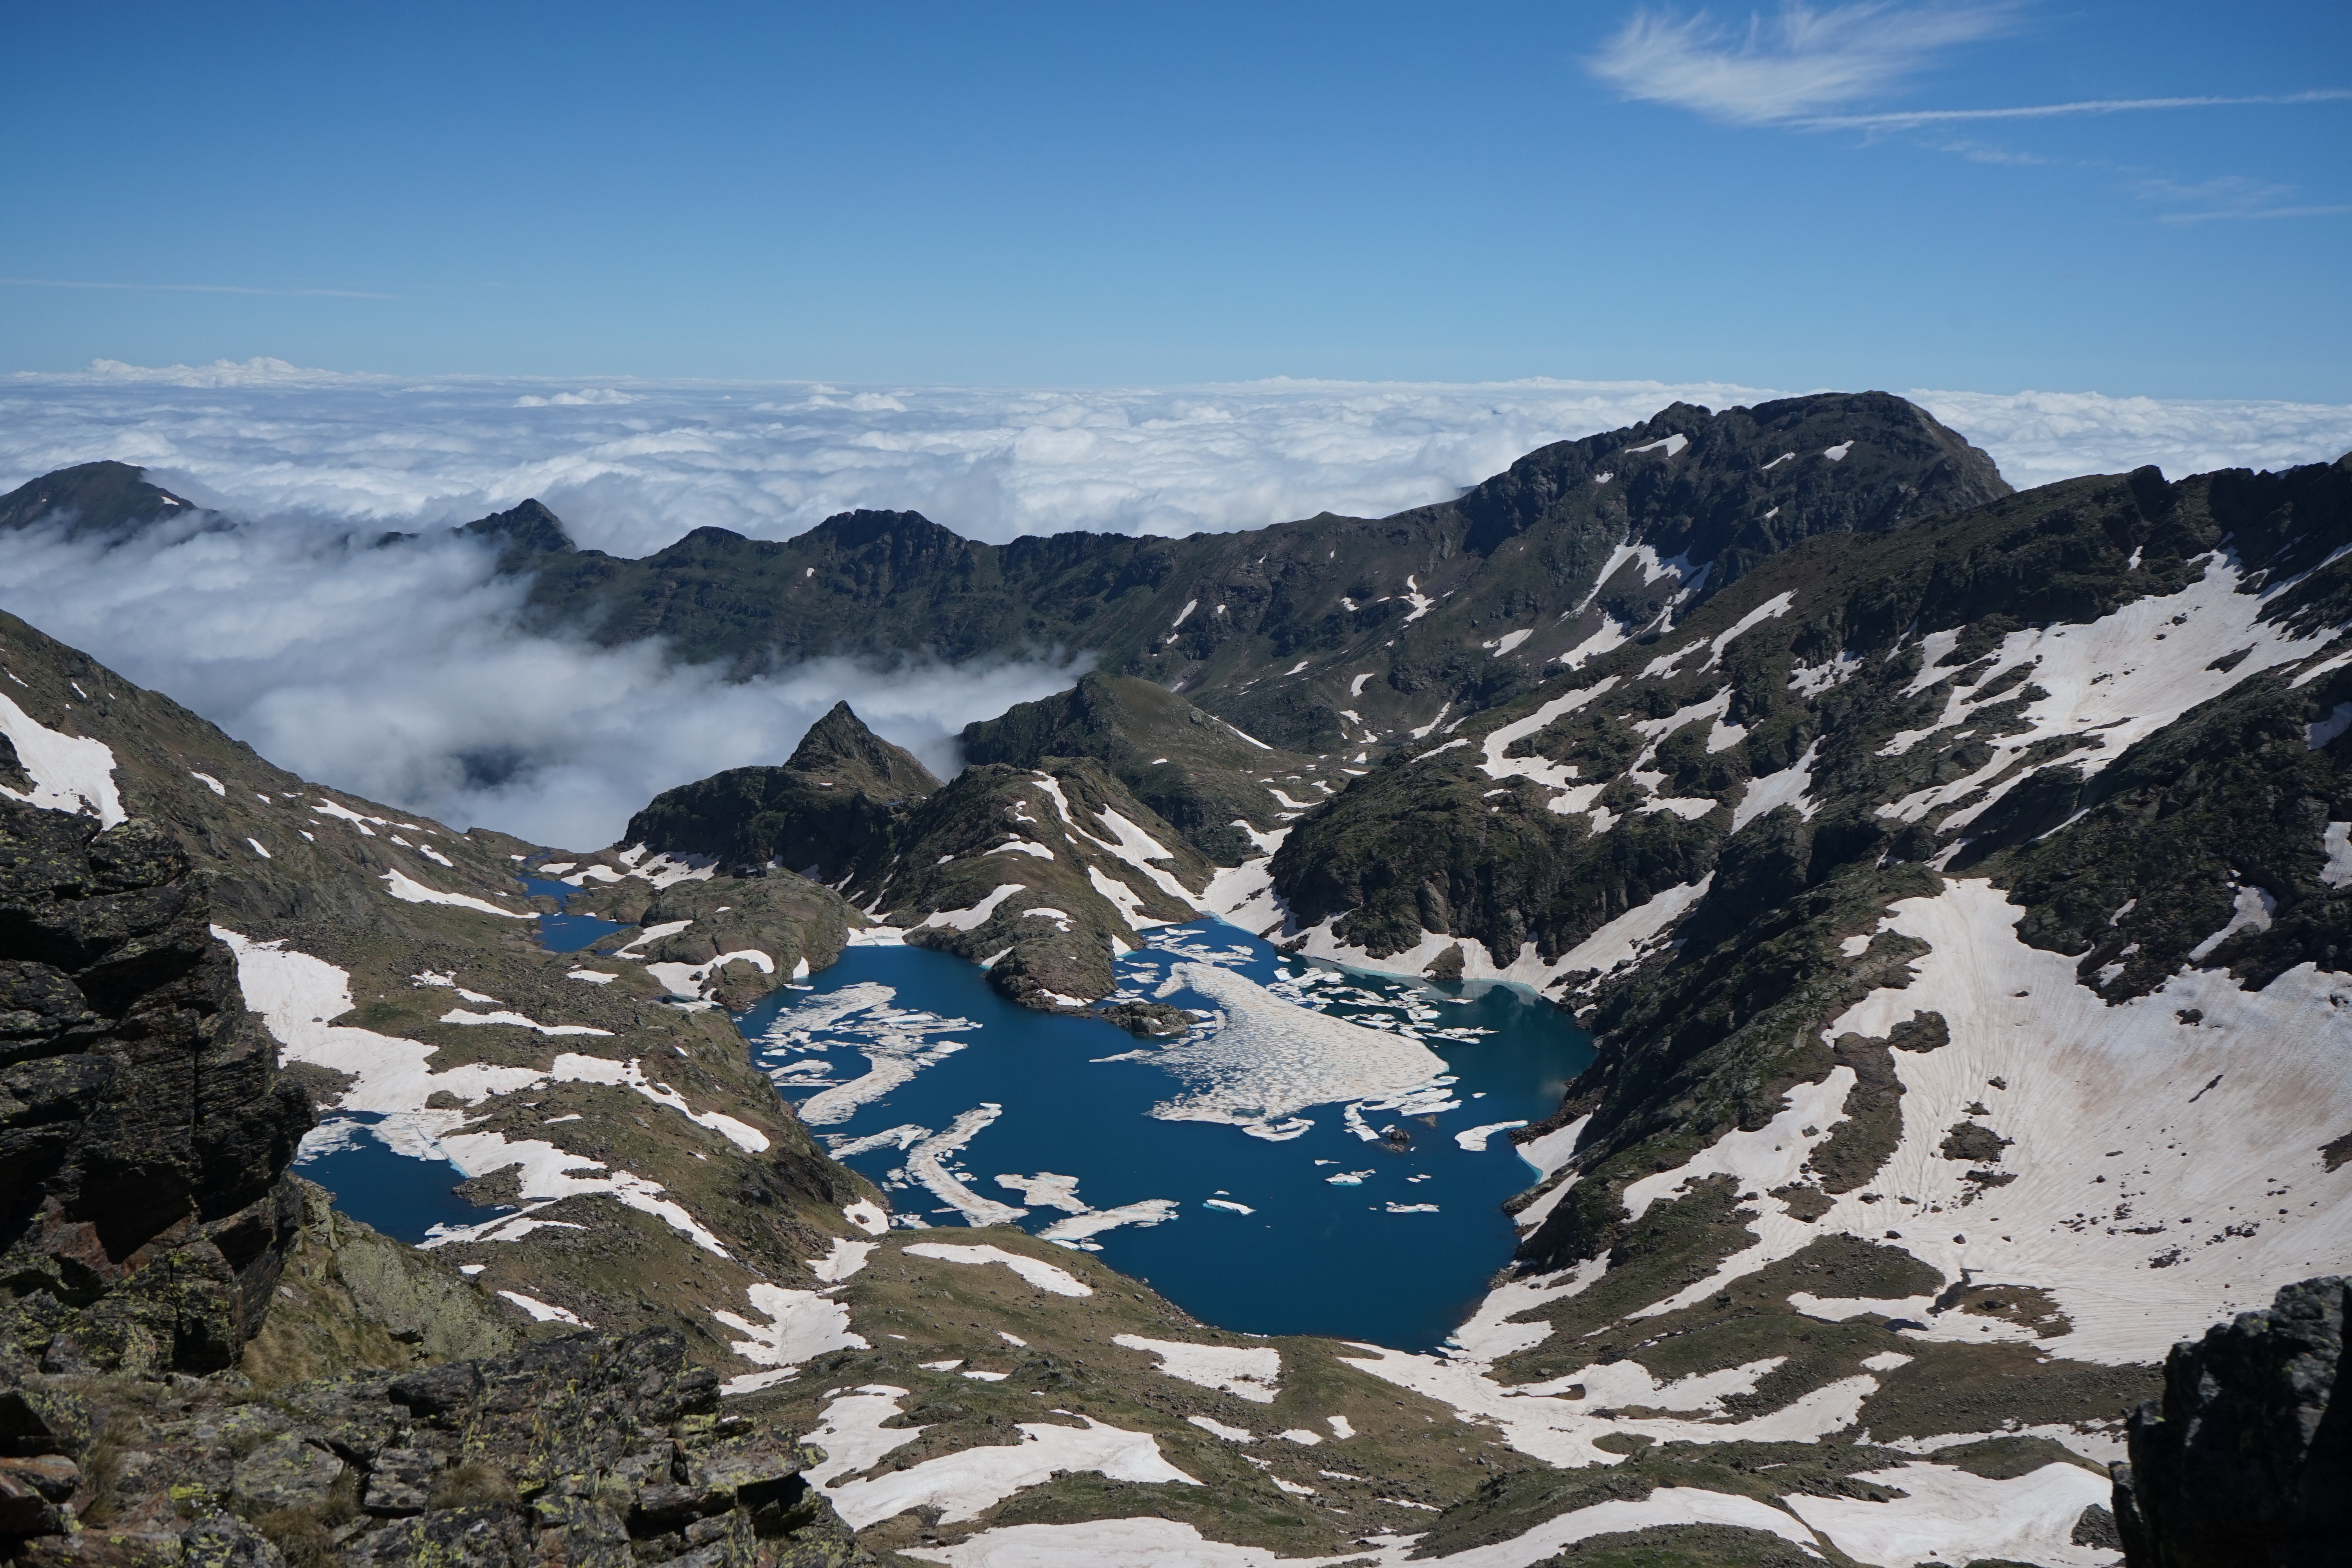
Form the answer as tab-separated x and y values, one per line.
1753	481
93	499
840	747
861	530
529	529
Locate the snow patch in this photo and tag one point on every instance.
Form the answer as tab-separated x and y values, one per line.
1251	1372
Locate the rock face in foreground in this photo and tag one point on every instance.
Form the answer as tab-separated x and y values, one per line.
591	1449
2247	1460
144	1134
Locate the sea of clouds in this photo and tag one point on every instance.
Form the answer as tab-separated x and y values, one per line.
405	675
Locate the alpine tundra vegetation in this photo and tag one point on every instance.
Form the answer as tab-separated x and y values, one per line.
1858	959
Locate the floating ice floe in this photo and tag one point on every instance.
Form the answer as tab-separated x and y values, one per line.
927	1162
1078	1229
1473	1139
897	1043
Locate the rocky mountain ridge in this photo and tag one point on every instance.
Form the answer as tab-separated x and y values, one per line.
1576	546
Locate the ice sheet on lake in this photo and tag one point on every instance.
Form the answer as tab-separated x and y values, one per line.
1077	1230
927	1162
1270	1060
897	1043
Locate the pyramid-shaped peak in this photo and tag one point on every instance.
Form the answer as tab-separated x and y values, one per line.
529	527
840	747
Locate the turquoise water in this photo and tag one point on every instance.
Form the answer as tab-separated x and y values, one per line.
1362	1261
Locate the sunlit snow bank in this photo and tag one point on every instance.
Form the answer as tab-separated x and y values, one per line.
964	1484
67	773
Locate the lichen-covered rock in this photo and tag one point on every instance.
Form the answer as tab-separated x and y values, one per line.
2246	1462
593	1451
285	1472
225	1541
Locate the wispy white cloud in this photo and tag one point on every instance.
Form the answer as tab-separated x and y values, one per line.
1799	64
2231	198
1800	67
192	288
1906	120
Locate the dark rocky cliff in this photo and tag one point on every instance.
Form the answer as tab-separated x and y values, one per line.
144	1134
2246	1462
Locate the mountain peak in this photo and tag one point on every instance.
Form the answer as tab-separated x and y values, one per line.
529	529
858	530
94	498
840	746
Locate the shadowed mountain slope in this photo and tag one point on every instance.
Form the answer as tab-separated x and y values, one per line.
91	501
1331	631
1210	782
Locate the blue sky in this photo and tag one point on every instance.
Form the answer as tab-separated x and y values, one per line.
1072	194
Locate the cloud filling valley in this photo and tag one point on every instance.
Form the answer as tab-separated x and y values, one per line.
407	675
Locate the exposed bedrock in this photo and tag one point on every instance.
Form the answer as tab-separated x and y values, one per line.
589	1450
2246	1462
144	1134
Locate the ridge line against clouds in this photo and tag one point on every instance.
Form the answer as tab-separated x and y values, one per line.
396	672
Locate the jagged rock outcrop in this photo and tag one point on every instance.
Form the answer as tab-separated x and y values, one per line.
588	1450
827	812
2246	1462
144	1134
960	865
1193	769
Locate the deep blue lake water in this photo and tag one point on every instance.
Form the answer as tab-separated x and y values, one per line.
561	932
1396	1252
1313	1256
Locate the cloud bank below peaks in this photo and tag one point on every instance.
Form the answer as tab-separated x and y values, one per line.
632	466
406	674
403	675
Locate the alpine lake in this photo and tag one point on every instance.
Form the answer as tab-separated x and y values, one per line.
1364	1219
